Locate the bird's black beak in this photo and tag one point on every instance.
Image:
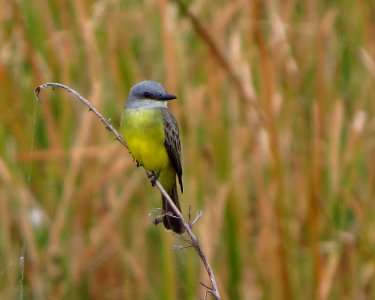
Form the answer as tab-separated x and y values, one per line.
166	97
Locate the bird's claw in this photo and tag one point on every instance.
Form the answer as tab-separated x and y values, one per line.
154	177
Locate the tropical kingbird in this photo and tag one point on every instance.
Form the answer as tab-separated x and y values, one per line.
152	136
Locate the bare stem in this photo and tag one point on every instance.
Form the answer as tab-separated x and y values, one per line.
85	101
192	238
194	242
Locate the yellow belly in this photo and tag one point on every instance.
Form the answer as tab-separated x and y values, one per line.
144	135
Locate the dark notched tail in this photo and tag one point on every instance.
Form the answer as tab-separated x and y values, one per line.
170	220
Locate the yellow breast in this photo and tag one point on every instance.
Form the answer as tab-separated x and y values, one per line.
143	131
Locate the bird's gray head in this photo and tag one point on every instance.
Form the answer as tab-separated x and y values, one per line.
148	94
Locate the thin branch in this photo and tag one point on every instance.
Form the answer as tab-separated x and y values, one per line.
197	217
193	239
85	101
194	242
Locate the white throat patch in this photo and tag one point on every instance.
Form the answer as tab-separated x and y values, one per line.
146	104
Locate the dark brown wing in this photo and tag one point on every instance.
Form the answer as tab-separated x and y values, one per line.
172	143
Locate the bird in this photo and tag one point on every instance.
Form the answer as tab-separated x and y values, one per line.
152	136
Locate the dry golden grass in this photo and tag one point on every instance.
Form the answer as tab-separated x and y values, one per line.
277	119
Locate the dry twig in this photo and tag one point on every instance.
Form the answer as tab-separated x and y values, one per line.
192	238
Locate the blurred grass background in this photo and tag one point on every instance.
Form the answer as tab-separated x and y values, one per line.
277	119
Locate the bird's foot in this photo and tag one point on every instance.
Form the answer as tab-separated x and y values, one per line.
154	177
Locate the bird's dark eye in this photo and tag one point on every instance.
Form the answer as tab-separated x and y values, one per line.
146	94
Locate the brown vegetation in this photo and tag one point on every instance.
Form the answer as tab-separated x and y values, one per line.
276	111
